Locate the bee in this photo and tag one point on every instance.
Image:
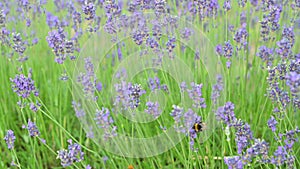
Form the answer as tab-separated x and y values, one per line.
199	126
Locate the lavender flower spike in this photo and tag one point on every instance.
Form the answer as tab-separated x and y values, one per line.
10	139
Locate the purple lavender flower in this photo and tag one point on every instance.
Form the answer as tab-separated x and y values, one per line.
272	123
234	162
193	125
89	10
34	107
105	123
153	109
280	156
228	50
32	129
88	79
2	19
52	21
23	86
171	44
99	86
219	49
226	114
242	3
274	17
241	37
56	41
18	44
186	33
195	93
177	114
260	148
243	135
72	155
265	29
284	49
227	5
265	54
288	33
10	139
243	18
79	111
135	92
217	88
154	83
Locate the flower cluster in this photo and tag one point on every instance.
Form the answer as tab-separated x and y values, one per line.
10	139
32	129
60	45
188	123
88	79
266	54
104	121
128	95
217	89
241	37
226	51
79	111
24	86
153	109
154	83
195	93
70	156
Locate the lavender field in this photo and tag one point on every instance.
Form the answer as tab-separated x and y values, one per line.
144	84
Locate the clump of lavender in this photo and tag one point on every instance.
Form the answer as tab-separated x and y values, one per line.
79	111
234	162
226	114
293	82
23	86
243	135
266	54
226	51
2	19
88	79
154	83
217	88
170	45
227	5
34	107
177	114
135	92
153	109
186	33
242	3
10	139
195	93
265	29
89	10
104	121
70	156
60	45
259	150
140	36
185	123
272	123
241	37
32	129
19	46
194	124
280	156
160	7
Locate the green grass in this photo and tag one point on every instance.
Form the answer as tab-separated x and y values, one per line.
245	87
